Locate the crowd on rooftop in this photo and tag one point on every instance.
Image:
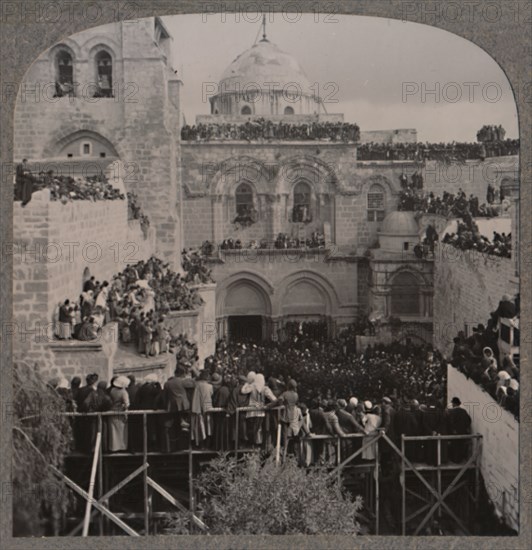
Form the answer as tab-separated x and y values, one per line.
63	188
468	237
442	152
264	129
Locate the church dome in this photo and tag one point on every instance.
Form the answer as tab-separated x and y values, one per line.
400	223
262	63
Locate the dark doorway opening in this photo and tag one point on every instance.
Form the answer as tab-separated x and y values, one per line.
245	328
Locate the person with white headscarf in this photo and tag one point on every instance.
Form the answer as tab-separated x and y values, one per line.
118	439
373	422
258	392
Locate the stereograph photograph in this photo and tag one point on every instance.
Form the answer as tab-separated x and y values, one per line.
262	277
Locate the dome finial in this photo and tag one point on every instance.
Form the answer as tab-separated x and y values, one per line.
264	39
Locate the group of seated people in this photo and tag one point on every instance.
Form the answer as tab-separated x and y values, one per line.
247	215
478	357
448	205
195	267
468	237
66	188
261	128
138	299
282	241
443	152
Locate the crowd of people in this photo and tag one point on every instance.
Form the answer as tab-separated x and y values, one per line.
316	240
489	133
261	128
442	152
138	299
195	266
454	205
468	237
479	357
324	389
63	188
134	212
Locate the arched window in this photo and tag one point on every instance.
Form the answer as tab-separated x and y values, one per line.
376	208
288	110
64	81
301	211
104	74
405	295
246	110
243	199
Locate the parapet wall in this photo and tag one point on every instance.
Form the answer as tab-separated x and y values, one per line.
500	444
58	245
468	286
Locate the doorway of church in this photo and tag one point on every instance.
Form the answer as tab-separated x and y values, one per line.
245	328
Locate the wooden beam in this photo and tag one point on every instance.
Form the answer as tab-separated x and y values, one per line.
86	521
164	493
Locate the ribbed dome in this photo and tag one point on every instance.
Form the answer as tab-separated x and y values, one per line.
400	223
262	63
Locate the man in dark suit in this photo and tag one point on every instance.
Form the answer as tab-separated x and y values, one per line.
177	395
24	183
406	423
506	308
457	422
86	427
89	285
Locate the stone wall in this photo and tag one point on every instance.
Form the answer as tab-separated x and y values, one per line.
468	286
57	246
500	444
408	135
139	125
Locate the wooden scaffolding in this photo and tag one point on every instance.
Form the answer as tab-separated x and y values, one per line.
438	481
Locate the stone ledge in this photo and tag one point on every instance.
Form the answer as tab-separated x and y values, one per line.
75	346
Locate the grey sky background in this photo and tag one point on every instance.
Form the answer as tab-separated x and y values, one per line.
370	59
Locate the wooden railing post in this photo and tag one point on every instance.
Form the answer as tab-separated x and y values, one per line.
100	475
145	473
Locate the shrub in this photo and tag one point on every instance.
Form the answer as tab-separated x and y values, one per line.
40	499
251	497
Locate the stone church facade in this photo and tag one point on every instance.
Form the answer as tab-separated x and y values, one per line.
347	201
192	190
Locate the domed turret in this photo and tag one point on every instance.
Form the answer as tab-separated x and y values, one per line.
398	228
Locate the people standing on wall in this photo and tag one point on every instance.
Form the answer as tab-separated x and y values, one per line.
24	182
490	194
64	328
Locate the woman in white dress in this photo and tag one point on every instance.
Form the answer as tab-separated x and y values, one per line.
117	424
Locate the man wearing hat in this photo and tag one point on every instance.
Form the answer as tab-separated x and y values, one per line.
457	422
86	427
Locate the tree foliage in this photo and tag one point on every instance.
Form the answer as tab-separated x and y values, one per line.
251	497
40	499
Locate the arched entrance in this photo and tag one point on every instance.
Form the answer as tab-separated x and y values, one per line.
307	299
246	311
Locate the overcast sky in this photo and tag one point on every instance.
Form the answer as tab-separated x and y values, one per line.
381	68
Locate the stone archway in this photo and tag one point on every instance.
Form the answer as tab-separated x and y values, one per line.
244	308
